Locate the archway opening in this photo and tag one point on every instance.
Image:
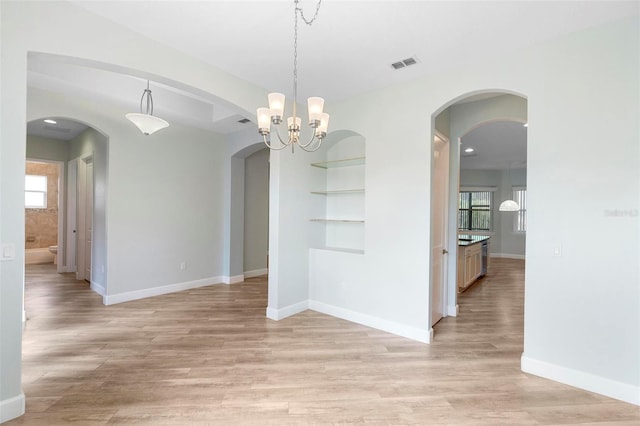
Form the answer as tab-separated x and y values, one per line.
486	164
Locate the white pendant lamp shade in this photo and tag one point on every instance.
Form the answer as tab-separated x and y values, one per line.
315	105
145	121
276	104
321	131
509	206
264	119
148	124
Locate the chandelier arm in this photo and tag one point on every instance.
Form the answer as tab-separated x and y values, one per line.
313	137
268	144
304	148
280	138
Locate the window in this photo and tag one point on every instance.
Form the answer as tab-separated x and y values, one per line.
474	211
520	197
35	192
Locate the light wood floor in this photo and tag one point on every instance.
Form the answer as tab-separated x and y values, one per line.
209	356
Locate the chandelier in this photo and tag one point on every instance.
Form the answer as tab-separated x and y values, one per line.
318	120
145	121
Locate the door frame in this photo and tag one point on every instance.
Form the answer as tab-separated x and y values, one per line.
445	228
81	208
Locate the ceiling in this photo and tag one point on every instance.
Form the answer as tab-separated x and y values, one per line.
347	51
62	129
496	145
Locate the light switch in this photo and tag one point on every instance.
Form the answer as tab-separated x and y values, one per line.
8	252
557	251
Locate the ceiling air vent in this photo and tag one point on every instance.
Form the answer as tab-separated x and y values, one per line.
244	121
404	63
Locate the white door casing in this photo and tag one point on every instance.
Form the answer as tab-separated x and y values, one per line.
439	208
84	217
72	212
88	248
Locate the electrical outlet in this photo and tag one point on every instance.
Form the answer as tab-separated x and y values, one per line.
183	265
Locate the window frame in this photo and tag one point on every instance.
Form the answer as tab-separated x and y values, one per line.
478	208
35	190
520	216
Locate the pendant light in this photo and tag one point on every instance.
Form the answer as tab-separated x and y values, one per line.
145	121
318	119
509	205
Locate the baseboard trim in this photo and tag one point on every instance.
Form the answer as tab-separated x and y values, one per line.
232	280
157	291
420	335
12	408
256	273
508	256
452	310
287	311
97	288
579	379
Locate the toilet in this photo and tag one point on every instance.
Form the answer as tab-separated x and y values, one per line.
54	250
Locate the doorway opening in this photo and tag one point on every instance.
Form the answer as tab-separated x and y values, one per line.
248	238
44	212
487	160
80	152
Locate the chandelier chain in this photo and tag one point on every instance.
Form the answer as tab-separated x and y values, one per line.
315	15
295	43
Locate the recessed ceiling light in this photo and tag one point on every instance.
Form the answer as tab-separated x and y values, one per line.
50	121
469	150
526	124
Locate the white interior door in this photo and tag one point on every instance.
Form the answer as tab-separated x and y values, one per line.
72	211
439	206
88	221
84	218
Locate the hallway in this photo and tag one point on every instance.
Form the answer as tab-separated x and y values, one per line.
209	356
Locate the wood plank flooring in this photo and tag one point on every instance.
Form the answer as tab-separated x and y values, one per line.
210	357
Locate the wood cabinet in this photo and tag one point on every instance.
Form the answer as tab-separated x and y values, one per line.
469	264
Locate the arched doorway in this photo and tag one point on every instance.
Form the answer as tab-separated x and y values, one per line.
81	151
247	241
455	120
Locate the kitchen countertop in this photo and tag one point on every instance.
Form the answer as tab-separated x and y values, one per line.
467	239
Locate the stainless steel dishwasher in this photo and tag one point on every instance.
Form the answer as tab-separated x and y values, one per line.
485	257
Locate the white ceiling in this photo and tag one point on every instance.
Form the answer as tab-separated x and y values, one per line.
63	129
497	145
347	51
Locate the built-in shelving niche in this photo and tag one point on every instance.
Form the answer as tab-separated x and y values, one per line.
338	195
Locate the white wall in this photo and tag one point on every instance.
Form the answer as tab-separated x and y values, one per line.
582	323
47	149
256	212
157	213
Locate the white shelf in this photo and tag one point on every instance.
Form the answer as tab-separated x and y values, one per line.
340	250
338	220
340	191
347	162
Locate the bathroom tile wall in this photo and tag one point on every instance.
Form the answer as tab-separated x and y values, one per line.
41	225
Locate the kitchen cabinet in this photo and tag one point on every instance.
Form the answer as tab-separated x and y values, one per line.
470	260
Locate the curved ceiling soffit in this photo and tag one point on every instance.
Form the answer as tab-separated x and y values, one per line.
72	119
143	75
497	119
480	94
249	150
